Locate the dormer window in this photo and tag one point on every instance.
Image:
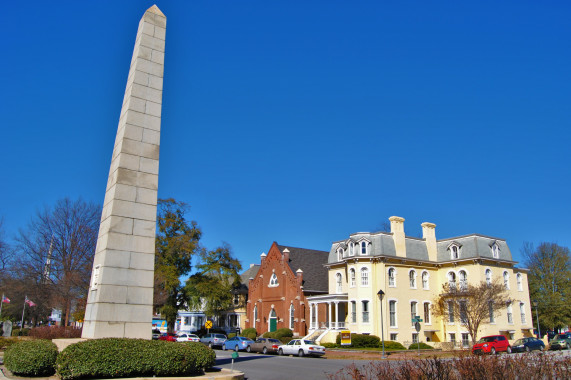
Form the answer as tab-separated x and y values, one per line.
363	248
340	254
352	249
273	281
454	252
495	250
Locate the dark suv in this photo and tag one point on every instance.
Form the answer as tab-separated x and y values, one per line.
491	345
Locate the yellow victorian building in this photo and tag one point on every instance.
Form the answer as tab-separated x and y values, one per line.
403	276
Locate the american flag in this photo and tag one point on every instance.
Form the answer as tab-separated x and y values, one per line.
5	299
29	302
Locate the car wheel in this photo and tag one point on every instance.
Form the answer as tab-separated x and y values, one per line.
280	352
527	349
509	350
248	349
493	351
265	351
300	353
236	348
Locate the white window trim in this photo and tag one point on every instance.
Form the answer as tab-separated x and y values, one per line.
340	254
415	279
429	312
361	277
254	315
352	277
519	281
459	250
455	277
349	316
370	312
388	280
495	248
338	284
410	309
291	325
396	326
276	284
491	275
522	313
506	283
458	281
427	279
351	247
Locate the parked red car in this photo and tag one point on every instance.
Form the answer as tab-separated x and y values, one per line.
169	337
492	344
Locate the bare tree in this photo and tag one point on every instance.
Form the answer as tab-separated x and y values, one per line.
471	305
6	255
55	254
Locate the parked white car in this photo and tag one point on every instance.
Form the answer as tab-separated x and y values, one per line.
301	347
185	337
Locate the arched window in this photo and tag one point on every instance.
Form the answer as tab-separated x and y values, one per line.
519	282
392	279
412	278
510	313
488	276
340	254
274	280
363	248
364	277
352	274
339	281
352	249
522	312
463	277
452	280
291	317
506	280
255	316
425	280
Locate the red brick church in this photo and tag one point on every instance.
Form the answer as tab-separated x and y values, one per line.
277	295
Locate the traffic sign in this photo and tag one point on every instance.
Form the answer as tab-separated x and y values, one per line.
416	319
417	326
208	324
234	355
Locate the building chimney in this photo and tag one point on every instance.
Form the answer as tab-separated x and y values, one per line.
286	255
429	235
397	229
299	276
262	257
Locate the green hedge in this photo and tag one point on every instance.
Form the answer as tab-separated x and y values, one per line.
330	345
31	358
392	345
279	334
423	346
361	341
6	342
250	333
121	357
20	332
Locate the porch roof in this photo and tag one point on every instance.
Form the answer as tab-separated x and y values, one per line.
328	298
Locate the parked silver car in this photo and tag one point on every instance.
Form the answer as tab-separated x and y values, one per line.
265	345
301	347
214	340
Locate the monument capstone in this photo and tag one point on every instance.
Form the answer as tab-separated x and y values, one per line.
120	297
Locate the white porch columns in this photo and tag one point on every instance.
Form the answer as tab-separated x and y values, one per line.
336	314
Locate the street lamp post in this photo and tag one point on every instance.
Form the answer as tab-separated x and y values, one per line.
535	303
381	294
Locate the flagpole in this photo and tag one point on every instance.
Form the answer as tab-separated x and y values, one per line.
24	309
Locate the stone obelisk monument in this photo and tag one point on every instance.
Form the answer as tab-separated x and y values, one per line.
120	297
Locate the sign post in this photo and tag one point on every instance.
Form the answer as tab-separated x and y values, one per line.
416	320
234	356
208	326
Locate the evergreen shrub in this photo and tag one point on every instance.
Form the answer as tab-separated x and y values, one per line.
361	341
54	332
423	346
122	357
392	345
31	358
6	342
250	333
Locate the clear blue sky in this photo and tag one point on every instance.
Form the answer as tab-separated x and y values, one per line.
304	121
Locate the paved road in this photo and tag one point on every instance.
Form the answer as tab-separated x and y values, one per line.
263	367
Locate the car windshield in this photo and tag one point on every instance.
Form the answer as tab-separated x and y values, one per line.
487	339
518	342
561	337
308	342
